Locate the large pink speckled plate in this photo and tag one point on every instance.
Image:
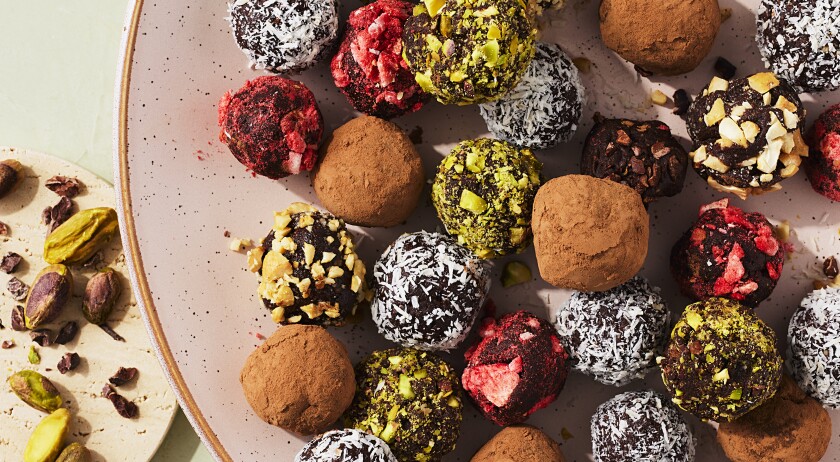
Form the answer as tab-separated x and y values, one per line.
182	190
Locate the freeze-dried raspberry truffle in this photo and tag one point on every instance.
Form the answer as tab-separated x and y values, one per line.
285	35
814	351
272	125
721	361
640	426
728	253
345	446
823	163
642	155
544	109
518	367
747	133
614	336
369	68
800	41
428	291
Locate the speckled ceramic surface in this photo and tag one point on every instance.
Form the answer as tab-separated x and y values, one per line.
183	190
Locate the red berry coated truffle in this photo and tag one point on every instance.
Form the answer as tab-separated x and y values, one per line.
823	165
369	68
517	368
728	253
272	125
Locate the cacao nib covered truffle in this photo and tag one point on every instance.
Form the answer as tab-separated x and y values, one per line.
517	368
272	125
284	35
483	192
544	109
722	361
345	445
468	51
800	41
642	155
411	400
520	443
614	336
728	253
814	352
369	68
747	133
428	291
309	270
823	163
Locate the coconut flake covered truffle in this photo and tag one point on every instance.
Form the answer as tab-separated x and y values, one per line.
640	426
348	445
544	109
800	41
284	35
614	336
429	291
814	349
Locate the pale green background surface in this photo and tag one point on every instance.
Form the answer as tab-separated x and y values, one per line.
58	64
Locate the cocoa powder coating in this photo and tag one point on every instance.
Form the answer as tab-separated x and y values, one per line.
520	443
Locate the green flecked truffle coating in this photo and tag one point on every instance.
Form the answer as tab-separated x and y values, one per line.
468	51
721	361
409	398
484	192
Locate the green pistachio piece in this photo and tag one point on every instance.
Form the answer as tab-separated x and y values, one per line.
46	441
472	202
434	6
74	452
515	273
35	390
76	240
721	376
693	319
424	81
490	50
33	356
405	387
736	394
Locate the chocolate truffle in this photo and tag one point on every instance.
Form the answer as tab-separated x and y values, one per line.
345	446
790	426
411	400
642	155
272	125
285	35
800	41
539	7
823	163
517	368
520	443
721	361
747	134
665	37
369	173
614	336
589	234
468	51
369	68
544	108
483	192
728	253
309	270
814	352
300	379
428	291
640	426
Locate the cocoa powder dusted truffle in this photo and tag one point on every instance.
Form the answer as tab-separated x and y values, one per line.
747	134
345	446
642	155
520	443
272	126
823	163
369	174
722	361
814	353
300	379
369	68
589	234
309	270
411	400
483	193
728	253
428	291
517	368
468	51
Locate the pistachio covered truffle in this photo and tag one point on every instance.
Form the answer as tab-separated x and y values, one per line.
721	361
483	192
347	445
308	266
411	400
814	353
468	51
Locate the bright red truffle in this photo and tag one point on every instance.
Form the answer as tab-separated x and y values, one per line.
823	163
517	368
272	125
